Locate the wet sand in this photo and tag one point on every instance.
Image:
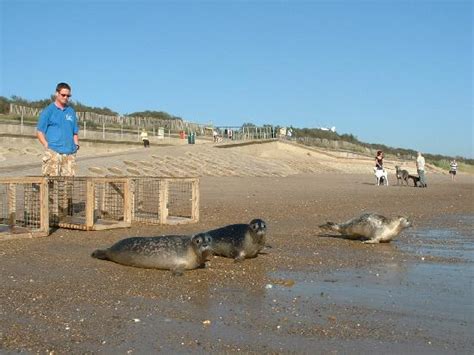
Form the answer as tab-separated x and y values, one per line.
310	293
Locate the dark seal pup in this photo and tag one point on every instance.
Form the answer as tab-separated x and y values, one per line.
239	241
371	226
169	252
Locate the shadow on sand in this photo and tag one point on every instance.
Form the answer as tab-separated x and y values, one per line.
341	236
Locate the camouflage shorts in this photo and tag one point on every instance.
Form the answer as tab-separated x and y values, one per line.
56	164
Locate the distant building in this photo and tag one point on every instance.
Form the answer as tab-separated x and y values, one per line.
285	132
332	129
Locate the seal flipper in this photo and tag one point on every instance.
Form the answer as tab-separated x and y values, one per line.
239	258
100	254
371	241
264	249
177	270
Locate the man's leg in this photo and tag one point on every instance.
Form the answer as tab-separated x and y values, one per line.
68	169
421	174
68	165
51	166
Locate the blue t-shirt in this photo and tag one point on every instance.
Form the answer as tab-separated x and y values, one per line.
59	127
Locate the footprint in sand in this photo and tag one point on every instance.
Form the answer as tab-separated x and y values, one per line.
133	172
15	151
130	163
148	172
147	164
116	171
31	151
96	170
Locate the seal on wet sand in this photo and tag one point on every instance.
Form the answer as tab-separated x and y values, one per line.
239	241
169	252
371	226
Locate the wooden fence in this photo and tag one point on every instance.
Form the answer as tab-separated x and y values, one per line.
127	121
95	121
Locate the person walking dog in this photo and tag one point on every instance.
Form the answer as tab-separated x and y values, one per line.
420	167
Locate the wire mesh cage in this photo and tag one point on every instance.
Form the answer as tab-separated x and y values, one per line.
89	203
30	205
157	200
146	200
182	203
67	202
23	207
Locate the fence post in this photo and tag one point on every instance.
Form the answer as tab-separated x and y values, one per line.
44	206
85	129
90	201
127	201
11	198
195	200
21	125
163	197
103	130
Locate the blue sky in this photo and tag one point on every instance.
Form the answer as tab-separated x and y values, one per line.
397	73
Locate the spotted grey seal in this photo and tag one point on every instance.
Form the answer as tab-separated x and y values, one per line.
239	241
371	226
170	252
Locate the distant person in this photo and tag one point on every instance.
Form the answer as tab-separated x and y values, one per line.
214	135
57	131
379	160
420	168
144	137
453	168
381	176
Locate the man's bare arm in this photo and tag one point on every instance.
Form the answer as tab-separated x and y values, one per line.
42	139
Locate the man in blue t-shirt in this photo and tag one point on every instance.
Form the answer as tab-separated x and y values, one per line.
57	131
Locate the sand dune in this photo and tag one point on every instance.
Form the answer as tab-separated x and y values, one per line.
273	158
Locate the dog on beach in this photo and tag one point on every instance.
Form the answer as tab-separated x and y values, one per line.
381	176
402	175
416	180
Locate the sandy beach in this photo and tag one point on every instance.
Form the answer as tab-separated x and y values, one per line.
312	292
